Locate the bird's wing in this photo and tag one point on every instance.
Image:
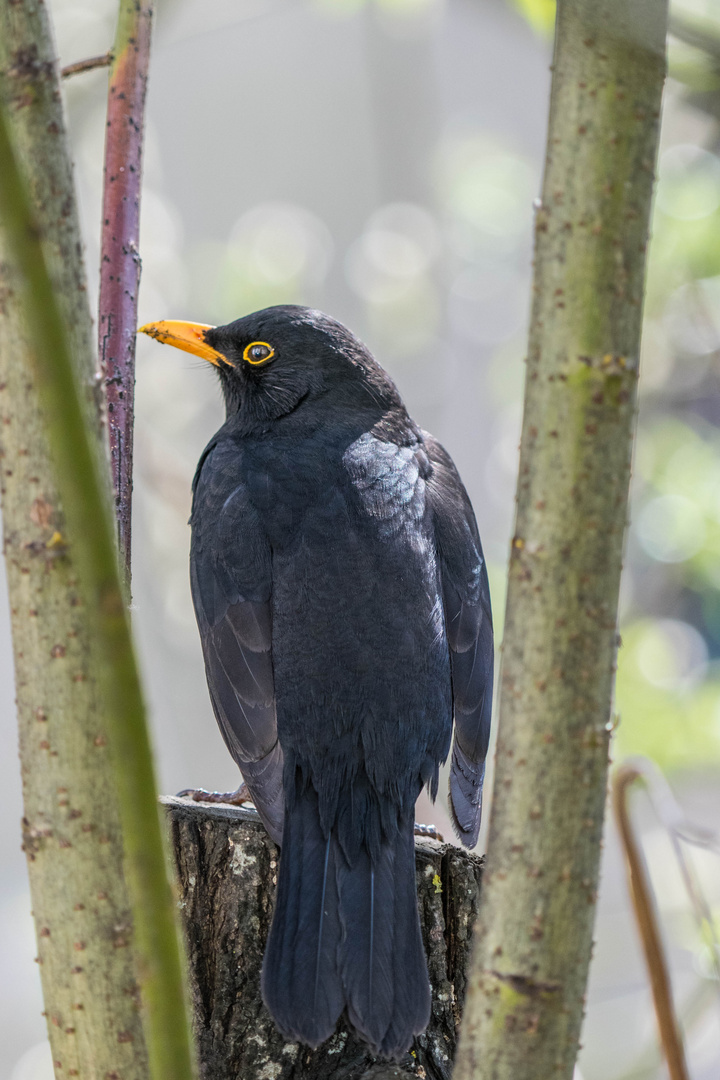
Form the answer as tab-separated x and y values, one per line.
468	621
231	582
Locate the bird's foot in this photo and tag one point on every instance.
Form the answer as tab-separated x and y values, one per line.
429	832
234	798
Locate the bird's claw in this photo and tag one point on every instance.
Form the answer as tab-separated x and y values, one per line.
234	798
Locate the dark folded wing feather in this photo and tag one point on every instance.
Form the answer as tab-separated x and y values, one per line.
468	622
230	578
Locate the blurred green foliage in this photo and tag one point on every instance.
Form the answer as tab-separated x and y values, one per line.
539	13
663	715
668	686
668	683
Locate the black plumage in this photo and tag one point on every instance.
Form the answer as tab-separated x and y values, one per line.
344	612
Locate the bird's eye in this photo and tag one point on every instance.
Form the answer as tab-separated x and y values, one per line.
258	352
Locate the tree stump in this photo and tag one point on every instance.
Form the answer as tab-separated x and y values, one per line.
227	872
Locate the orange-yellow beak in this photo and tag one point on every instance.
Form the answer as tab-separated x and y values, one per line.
189	336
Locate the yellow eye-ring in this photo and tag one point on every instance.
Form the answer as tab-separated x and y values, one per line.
258	352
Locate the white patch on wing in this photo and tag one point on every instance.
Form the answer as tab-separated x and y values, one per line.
388	482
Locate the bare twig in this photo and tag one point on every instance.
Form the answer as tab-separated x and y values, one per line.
120	260
641	895
683	831
86	65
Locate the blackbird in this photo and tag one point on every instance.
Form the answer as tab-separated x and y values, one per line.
343	605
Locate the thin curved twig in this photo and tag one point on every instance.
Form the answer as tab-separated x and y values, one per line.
641	893
681	830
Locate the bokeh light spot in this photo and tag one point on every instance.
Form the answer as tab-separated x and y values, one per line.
689	182
671	528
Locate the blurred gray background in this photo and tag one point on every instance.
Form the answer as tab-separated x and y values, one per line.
379	160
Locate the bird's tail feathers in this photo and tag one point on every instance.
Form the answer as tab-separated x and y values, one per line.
300	978
382	961
346	936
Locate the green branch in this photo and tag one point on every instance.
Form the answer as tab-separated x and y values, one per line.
526	989
71	823
91	540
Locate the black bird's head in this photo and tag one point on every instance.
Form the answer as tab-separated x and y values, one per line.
277	359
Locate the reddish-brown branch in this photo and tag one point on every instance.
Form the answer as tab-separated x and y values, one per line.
120	260
641	894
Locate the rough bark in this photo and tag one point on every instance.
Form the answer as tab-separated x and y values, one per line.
120	256
227	868
71	828
525	1000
